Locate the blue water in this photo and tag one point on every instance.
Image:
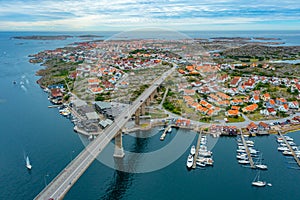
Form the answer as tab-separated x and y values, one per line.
28	127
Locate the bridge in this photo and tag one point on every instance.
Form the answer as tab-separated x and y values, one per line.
62	183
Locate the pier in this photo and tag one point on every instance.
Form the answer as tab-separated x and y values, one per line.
247	151
162	137
290	148
197	149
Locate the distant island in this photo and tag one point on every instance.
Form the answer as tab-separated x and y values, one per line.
43	37
53	37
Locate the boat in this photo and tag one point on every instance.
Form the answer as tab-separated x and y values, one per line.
170	130
209	161
205	153
282	148
193	150
241	156
249	142
258	183
259	165
28	165
288	138
189	162
241	151
201	164
244	162
287	153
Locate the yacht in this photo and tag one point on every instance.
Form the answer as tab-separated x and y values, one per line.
201	164
287	153
193	150
288	138
240	151
258	183
241	156
244	162
170	130
28	165
282	148
189	162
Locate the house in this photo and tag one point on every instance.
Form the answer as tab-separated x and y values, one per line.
262	126
283	108
189	92
294	105
270	104
280	101
255	99
56	93
250	108
272	111
236	102
249	84
264	112
232	113
265	97
235	81
252	127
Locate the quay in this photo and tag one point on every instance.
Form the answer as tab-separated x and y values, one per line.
247	151
290	148
54	106
197	149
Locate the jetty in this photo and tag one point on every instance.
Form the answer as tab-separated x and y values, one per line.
164	134
197	149
290	148
252	165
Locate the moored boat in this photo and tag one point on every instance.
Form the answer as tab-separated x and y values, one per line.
193	150
190	160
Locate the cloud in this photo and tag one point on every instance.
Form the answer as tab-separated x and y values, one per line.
92	15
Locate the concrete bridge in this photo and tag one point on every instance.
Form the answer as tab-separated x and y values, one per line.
62	183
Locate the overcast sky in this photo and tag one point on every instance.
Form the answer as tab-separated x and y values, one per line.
105	15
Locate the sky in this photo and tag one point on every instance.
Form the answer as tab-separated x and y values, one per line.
116	15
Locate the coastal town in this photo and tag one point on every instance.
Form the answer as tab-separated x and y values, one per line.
97	80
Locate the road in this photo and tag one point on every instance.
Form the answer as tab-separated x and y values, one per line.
61	184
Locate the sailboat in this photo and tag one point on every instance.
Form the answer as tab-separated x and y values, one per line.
258	183
259	165
28	165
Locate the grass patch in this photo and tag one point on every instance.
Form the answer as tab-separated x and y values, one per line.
234	120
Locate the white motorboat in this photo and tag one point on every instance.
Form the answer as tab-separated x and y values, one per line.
244	162
242	156
241	147
258	183
241	151
193	150
261	166
170	130
287	153
189	162
209	161
249	142
201	164
291	143
205	153
288	138
282	148
28	165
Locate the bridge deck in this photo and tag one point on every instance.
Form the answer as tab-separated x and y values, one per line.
62	183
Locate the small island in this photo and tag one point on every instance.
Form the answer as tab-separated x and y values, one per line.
42	37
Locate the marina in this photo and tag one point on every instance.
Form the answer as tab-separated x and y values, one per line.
288	147
249	159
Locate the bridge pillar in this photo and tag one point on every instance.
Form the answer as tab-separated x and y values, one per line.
143	109
137	117
148	102
119	151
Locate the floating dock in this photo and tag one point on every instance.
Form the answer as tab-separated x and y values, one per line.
247	151
197	150
290	148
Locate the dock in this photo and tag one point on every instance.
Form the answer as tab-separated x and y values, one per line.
197	150
163	135
54	106
247	151
290	148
